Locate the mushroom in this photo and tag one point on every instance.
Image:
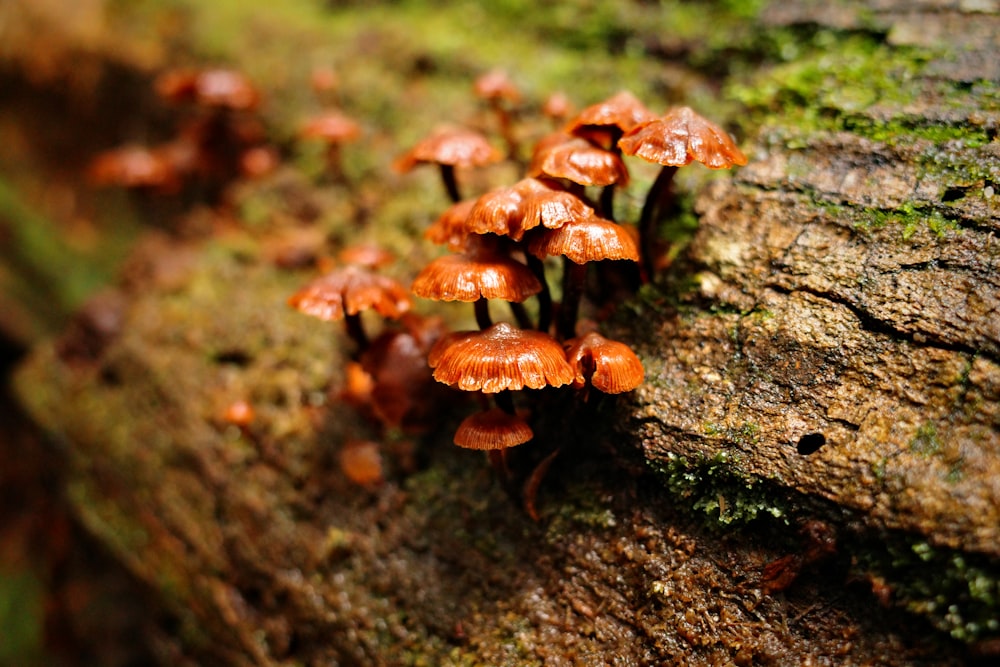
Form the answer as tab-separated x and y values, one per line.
497	90
137	168
607	365
557	106
588	239
215	88
449	229
334	129
345	292
361	462
605	122
499	358
450	147
492	429
579	161
676	139
480	273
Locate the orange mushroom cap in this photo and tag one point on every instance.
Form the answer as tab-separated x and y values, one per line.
579	161
589	239
480	272
530	202
135	166
495	85
361	462
368	255
455	146
501	357
449	229
348	291
332	127
557	106
492	429
616	115
680	137
608	365
218	87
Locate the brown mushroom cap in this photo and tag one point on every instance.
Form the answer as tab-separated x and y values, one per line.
454	146
332	127
608	365
368	255
579	161
557	106
480	272
530	202
449	229
219	88
492	429
589	239
495	85
348	291
680	137
614	116
499	358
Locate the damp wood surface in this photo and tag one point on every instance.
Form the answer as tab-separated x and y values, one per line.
810	473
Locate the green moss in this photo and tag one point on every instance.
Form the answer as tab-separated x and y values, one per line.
958	593
718	488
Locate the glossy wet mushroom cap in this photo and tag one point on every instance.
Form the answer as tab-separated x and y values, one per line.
609	119
492	429
481	272
607	365
579	161
680	137
590	239
348	291
529	203
453	146
499	358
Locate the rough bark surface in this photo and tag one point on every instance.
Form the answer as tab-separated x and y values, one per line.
834	363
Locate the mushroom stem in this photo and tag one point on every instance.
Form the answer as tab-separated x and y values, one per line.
450	184
574	276
657	198
356	331
606	204
545	296
505	401
482	310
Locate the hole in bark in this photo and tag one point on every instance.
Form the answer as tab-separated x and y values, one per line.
234	357
953	194
810	443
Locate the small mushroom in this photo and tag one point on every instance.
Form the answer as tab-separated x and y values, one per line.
581	241
605	122
680	137
334	129
480	273
345	292
491	430
450	229
500	358
497	90
607	365
579	161
450	147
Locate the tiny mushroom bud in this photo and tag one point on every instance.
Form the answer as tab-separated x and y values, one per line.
492	429
607	365
361	462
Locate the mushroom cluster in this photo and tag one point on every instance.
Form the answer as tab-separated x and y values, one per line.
501	241
540	344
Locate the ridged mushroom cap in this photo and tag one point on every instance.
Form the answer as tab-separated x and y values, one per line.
608	365
579	161
590	239
612	117
481	272
680	137
348	291
450	229
499	358
513	210
455	146
492	429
